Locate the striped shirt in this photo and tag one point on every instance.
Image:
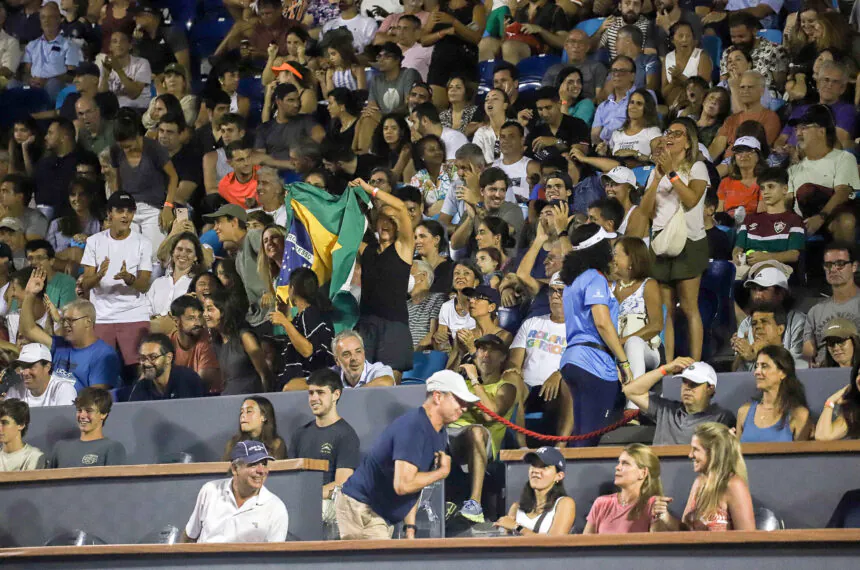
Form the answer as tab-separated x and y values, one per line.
771	232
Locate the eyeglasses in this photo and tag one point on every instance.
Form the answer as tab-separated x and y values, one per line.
620	71
556	291
68	321
675	134
153	358
839	264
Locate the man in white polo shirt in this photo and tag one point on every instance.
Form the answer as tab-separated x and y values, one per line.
239	509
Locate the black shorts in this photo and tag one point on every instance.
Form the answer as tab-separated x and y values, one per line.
388	342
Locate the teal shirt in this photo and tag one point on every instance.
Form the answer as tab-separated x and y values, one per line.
583	110
61	289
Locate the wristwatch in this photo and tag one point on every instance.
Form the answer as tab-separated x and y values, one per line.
519	529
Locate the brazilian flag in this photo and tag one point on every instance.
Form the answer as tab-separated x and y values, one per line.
323	233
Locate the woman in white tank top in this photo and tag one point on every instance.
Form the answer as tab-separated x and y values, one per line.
544	507
685	61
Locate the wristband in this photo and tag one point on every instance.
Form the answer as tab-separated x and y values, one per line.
662	370
829	404
374	192
169	205
412	526
519	529
673	177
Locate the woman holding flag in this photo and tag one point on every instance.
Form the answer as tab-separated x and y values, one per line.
385	268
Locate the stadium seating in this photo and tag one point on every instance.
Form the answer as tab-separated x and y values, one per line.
485	74
425	363
532	69
590	26
20	102
713	46
772	35
205	36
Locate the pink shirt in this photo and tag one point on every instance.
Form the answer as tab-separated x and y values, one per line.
607	516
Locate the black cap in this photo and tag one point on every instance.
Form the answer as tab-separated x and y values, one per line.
146	8
392	49
819	115
484	292
87	68
491	341
121	200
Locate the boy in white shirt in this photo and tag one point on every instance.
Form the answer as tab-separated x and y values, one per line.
117	268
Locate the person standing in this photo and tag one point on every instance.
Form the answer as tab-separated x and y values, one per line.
408	456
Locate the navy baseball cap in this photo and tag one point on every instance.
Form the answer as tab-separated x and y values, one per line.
121	200
250	452
547	456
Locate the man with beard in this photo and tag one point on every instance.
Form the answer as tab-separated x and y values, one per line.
389	90
631	15
191	346
408	456
159	378
288	129
239	508
362	28
767	58
79	354
494	186
669	13
328	436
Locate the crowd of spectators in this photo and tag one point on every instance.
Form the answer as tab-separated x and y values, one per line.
551	242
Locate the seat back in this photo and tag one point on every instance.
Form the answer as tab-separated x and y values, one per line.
20	102
642	173
591	26
719	280
532	69
713	45
424	364
485	75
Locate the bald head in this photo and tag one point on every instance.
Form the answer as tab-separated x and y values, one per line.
88	113
49	17
576	46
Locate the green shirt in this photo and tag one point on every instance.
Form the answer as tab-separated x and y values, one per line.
61	289
97	143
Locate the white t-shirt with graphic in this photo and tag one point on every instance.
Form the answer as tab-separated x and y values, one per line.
544	342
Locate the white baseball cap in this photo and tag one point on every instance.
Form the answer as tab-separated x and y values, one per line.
700	373
768	277
450	381
556	281
749	142
621	175
34	352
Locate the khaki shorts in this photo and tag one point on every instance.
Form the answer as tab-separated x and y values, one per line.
689	264
357	521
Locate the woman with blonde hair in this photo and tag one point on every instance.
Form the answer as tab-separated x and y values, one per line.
637	476
720	498
269	264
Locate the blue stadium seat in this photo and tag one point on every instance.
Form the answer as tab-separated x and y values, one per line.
252	88
713	45
424	364
773	35
590	26
716	306
206	34
485	75
510	318
532	69
182	12
642	173
20	102
213	8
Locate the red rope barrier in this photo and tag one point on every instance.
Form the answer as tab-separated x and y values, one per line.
629	416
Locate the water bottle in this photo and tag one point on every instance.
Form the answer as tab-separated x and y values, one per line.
740	216
427	520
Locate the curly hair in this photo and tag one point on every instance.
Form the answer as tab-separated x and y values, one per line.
597	257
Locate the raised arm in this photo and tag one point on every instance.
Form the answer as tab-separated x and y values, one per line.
28	326
637	391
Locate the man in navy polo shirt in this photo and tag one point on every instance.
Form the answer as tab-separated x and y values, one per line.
408	456
159	378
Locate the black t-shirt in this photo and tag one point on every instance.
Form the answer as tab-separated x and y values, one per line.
204	139
183	383
317	327
160	51
719	245
54	174
188	163
338	444
549	17
571	131
443	277
106	101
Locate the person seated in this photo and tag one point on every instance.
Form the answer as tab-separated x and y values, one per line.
631	142
607	213
59	287
768	286
821	184
39	387
640	311
425	121
476	437
240	186
537	27
768	327
16	191
720	497
629	14
328	436
494	184
125	75
685	61
15	455
454	313
239	508
544	506
612	112
677	421
840	265
637	477
741	188
78	353
773	234
92	407
840	418
48	60
779	412
551	132
484	303
309	333
842	343
362	28
424	305
191	346
160	379
257	422
354	370
750	89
